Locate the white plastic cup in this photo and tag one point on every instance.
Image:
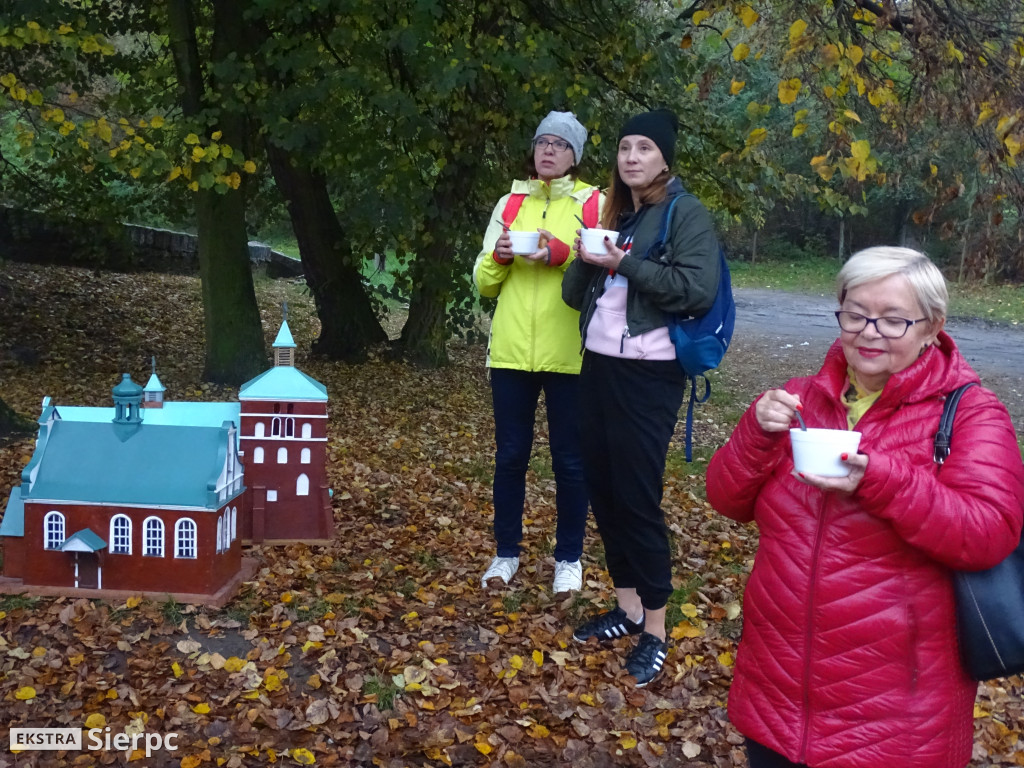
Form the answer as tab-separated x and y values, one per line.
817	451
524	243
593	239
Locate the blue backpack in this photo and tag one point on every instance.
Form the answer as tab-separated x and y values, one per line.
700	342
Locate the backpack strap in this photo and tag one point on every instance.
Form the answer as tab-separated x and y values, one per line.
944	437
590	209
512	206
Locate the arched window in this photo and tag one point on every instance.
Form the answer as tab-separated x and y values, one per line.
53	530
234	523
121	535
289	427
307	430
277	407
257	456
302	486
275	427
220	535
305	456
291	407
261	429
282	455
185	538
154	537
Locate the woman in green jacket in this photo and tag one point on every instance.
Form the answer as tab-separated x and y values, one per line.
631	385
535	344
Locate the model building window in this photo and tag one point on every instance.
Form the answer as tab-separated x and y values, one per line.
185	538
121	535
154	528
307	430
261	429
305	456
289	427
53	530
234	523
272	495
282	455
302	486
257	456
275	427
220	535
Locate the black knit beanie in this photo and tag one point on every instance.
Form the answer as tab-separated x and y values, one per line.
660	126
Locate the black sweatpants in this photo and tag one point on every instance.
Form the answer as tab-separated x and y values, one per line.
629	410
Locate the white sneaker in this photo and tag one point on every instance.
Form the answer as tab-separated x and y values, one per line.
503	568
568	576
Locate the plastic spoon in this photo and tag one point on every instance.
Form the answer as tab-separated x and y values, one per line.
582	223
800	418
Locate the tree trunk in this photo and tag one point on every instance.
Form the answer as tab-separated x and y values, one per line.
753	247
842	238
348	324
12	424
234	334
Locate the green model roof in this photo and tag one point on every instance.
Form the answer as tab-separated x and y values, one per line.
13	523
146	464
282	382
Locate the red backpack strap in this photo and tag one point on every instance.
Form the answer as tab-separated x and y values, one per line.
590	209
515	202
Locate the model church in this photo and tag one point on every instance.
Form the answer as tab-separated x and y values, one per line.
156	497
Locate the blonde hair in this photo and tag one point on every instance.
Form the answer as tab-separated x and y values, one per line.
926	281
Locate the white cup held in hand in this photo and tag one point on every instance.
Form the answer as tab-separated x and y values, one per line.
593	240
524	243
817	451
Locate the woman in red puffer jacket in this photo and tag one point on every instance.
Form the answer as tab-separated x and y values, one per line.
849	655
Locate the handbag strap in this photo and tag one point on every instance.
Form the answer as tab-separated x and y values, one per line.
944	437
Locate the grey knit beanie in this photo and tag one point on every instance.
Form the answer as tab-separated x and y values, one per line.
565	126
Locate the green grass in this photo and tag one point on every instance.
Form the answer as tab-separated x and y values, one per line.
14	602
384	688
999	303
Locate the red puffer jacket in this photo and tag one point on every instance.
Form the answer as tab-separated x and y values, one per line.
849	655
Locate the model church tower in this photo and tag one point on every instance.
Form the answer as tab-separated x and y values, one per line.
284	442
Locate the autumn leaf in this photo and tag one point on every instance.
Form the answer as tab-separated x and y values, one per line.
25	693
698	18
303	756
725	659
538	658
748	16
737	86
95	720
788	90
234	664
740	52
201	709
796	30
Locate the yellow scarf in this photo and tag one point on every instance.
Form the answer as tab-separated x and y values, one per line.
856	400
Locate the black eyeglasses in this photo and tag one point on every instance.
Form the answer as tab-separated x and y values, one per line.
558	144
887	327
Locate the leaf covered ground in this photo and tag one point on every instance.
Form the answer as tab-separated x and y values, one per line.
380	649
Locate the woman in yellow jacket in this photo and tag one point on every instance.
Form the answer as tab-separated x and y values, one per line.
535	344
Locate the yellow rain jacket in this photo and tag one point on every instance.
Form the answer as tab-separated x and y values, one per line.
532	328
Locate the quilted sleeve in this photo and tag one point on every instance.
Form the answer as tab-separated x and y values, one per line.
968	515
740	468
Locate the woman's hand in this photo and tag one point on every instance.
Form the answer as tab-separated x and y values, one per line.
610	260
858	463
503	248
776	410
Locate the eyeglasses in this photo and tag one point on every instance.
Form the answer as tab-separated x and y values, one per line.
887	327
559	144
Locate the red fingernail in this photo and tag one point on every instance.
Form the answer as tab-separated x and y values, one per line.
800	407
800	473
844	456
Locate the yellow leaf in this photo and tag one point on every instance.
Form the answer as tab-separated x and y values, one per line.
25	693
725	659
689	610
830	91
249	166
628	741
985	114
191	761
934	168
855	54
798	129
272	683
103	130
39	651
796	30
175	173
8	80
698	17
748	16
157	121
686	630
216	135
516	662
1013	144
737	86
756	136
979	712
303	756
95	720
538	658
234	664
740	52
587	699
539	731
788	90
133	601
851	114
201	709
483	747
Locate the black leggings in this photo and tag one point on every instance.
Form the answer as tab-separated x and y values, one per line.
760	756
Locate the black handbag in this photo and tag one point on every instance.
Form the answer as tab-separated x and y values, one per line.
990	603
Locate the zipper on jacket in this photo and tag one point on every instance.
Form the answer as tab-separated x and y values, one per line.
622	341
818	536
